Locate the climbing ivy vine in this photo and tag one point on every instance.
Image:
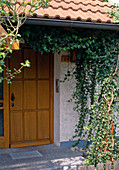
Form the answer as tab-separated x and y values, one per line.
96	73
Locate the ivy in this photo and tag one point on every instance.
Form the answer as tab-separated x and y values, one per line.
96	72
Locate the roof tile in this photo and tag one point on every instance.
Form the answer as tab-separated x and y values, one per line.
84	10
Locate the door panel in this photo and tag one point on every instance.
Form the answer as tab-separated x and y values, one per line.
43	64
16	126
31	116
30	94
30	55
43	94
15	62
43	124
30	126
16	88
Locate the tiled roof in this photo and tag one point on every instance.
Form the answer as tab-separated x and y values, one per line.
83	10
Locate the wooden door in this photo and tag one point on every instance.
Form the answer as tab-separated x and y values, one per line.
31	111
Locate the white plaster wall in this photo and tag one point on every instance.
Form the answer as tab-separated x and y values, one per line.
68	118
57	62
65	118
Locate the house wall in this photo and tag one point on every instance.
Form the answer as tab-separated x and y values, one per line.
68	118
65	118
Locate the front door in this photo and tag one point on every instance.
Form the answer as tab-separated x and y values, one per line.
31	99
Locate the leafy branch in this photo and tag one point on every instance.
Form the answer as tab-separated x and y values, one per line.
13	15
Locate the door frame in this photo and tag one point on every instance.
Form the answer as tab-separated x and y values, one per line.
5	140
52	98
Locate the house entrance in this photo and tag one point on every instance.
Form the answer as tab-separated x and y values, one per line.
31	99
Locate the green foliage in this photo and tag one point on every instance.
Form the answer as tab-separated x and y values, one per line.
96	63
104	147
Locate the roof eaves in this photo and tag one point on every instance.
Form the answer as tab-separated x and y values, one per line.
71	24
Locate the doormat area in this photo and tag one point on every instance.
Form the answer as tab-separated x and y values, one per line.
28	154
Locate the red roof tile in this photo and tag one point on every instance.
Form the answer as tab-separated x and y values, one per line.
2	31
84	10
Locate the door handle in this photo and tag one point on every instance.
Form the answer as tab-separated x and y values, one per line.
12	99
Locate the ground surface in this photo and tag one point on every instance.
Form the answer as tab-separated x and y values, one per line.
45	157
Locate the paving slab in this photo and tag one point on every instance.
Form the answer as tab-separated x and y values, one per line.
45	157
